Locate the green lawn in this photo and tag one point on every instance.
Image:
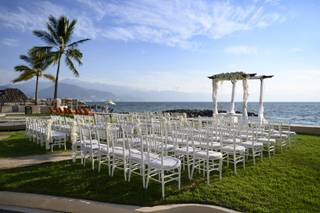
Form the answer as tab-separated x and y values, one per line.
18	145
288	182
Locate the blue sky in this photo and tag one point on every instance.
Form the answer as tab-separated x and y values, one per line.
175	44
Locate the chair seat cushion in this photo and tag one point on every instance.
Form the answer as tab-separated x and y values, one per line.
231	148
119	151
136	156
210	154
266	140
250	144
184	150
58	134
230	140
168	163
278	135
288	132
104	149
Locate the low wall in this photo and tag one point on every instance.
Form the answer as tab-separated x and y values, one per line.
305	129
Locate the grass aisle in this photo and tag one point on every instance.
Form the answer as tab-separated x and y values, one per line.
17	145
289	182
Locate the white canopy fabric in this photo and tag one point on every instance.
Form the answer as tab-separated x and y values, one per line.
233	77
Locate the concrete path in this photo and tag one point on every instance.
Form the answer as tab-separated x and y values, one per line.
63	204
6	163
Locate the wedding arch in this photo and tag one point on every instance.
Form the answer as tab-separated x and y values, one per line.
233	77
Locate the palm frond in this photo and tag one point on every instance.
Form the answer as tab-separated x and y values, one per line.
45	36
41	49
22	68
74	44
62	28
71	66
41	58
69	30
75	54
49	77
24	76
27	59
53	22
53	33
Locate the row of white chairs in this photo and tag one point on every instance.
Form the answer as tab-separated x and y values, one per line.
40	130
156	146
150	146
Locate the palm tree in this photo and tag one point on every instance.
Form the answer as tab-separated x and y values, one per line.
58	38
37	62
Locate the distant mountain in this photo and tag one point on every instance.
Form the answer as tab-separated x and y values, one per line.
92	91
28	87
125	93
65	91
73	91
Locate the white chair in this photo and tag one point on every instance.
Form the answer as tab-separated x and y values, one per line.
89	145
168	168
235	152
253	147
204	158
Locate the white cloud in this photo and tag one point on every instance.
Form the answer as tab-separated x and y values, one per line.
296	49
35	16
10	42
240	50
177	22
173	23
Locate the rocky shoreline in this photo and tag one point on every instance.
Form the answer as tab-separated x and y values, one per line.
202	112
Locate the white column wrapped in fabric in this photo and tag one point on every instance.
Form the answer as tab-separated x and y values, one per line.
261	109
214	96
232	97
245	98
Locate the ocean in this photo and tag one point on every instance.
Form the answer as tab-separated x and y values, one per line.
293	112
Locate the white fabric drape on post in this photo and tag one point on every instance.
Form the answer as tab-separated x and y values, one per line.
214	96
232	97
245	98
261	109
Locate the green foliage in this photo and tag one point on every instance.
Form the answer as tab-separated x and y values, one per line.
288	182
58	38
232	76
37	61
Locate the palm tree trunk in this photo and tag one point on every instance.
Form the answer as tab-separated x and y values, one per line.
36	92
55	96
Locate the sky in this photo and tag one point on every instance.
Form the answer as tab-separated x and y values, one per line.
175	44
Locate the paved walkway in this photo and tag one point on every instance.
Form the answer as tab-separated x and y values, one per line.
63	204
6	163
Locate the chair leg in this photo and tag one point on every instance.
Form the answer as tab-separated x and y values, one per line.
143	176
99	163
92	162
235	163
220	169
129	172
162	183
109	166
244	162
179	180
148	178
189	169
227	159
208	173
